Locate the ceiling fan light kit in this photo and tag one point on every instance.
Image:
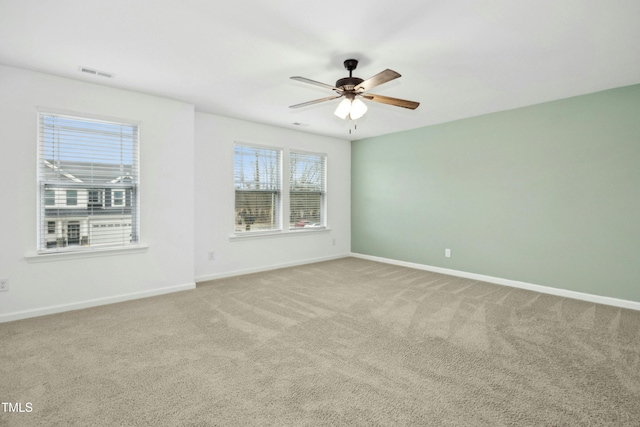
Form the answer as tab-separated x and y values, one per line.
358	108
344	108
353	88
354	108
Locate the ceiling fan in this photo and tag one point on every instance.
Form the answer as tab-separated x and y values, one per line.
353	88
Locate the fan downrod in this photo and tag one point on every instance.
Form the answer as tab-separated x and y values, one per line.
348	83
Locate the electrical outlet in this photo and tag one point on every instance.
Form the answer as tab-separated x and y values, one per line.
4	285
447	253
212	256
334	242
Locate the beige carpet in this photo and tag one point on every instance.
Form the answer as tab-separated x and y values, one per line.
347	342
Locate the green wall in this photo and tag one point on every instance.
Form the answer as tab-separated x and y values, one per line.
547	194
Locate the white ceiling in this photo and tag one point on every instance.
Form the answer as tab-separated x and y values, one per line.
458	58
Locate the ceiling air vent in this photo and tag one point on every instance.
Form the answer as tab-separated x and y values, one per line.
96	72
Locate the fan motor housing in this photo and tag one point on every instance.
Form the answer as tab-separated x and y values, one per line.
348	83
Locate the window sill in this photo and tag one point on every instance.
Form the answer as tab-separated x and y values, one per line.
70	255
287	233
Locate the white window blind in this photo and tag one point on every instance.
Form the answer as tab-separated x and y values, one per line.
258	183
88	180
307	190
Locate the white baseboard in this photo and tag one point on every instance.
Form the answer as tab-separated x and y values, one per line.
215	276
633	305
93	303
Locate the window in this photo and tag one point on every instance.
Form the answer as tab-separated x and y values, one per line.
49	197
118	198
95	199
257	182
85	160
306	190
72	197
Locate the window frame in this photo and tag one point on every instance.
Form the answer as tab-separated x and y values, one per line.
60	190
121	198
284	208
323	193
279	191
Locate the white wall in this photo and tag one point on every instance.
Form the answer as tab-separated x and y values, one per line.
214	213
186	168
167	198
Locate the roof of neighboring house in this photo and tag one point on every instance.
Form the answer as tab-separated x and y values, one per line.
88	172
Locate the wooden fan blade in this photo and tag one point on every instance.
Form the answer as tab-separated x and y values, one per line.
304	104
313	82
411	105
382	77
